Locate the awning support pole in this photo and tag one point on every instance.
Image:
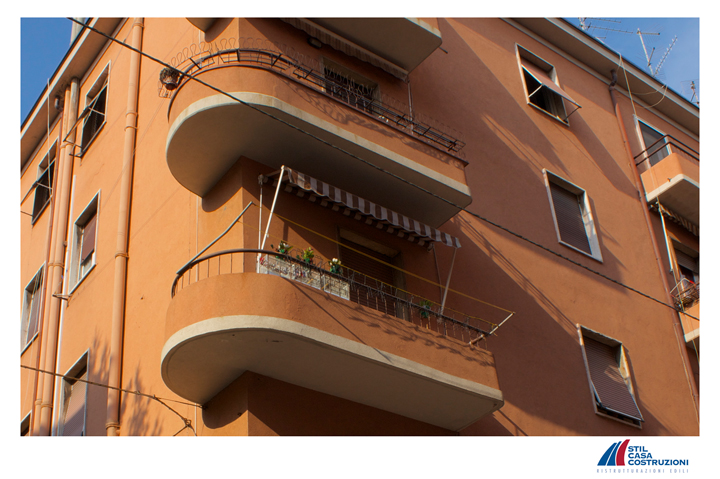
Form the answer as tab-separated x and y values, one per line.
492	330
272	209
447	284
216	239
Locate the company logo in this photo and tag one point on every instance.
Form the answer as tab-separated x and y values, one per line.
621	454
615	455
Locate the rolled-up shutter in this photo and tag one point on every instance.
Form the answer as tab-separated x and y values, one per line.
611	391
74	417
687	261
569	216
88	239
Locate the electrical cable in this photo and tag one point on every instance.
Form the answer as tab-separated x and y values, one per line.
188	422
399	178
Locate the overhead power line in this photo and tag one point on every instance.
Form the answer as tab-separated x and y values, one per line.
399	178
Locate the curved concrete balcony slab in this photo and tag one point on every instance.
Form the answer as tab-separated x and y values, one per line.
279	121
225	325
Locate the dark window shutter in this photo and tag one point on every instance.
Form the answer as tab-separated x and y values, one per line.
687	261
568	212
74	420
34	312
88	239
374	277
611	390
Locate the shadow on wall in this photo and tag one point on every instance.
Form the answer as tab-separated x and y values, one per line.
538	356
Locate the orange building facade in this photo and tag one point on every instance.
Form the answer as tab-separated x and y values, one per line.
357	227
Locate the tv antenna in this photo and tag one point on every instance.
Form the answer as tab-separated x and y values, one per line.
648	57
695	88
586	25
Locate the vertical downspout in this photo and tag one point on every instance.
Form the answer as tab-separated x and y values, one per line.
37	378
56	266
677	327
112	424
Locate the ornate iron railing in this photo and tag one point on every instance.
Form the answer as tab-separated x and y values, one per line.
256	53
347	284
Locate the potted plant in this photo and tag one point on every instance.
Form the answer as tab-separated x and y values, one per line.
283	248
425	308
307	256
335	266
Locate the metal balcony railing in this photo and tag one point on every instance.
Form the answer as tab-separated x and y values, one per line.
340	281
308	72
663	147
685	294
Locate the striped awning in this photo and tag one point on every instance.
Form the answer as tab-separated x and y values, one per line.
689	225
362	209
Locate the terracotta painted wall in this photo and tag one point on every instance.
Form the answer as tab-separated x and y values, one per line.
472	86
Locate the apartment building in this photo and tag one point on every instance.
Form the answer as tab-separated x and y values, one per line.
390	226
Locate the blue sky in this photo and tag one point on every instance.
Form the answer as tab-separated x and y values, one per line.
44	42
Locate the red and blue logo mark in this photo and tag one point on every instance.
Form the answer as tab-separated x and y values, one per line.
615	455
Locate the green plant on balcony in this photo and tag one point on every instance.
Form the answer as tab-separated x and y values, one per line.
307	256
425	308
335	266
283	248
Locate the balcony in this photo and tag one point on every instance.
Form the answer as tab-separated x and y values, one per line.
275	110
672	177
686	296
397	45
327	329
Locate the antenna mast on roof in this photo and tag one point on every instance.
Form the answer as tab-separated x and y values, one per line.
662	60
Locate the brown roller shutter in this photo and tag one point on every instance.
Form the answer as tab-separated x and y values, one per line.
34	311
568	213
375	276
74	420
88	240
687	261
610	388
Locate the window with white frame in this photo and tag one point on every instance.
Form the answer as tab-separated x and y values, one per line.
572	216
609	377
654	141
44	183
95	106
84	243
32	303
72	413
541	89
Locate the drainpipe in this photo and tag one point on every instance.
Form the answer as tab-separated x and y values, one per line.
677	327
112	424
48	356
37	385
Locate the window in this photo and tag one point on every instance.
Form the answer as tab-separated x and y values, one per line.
32	302
609	377
44	183
71	419
84	241
95	102
573	220
349	87
655	143
25	426
541	88
367	265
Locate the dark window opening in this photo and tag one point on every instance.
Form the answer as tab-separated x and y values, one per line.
95	118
